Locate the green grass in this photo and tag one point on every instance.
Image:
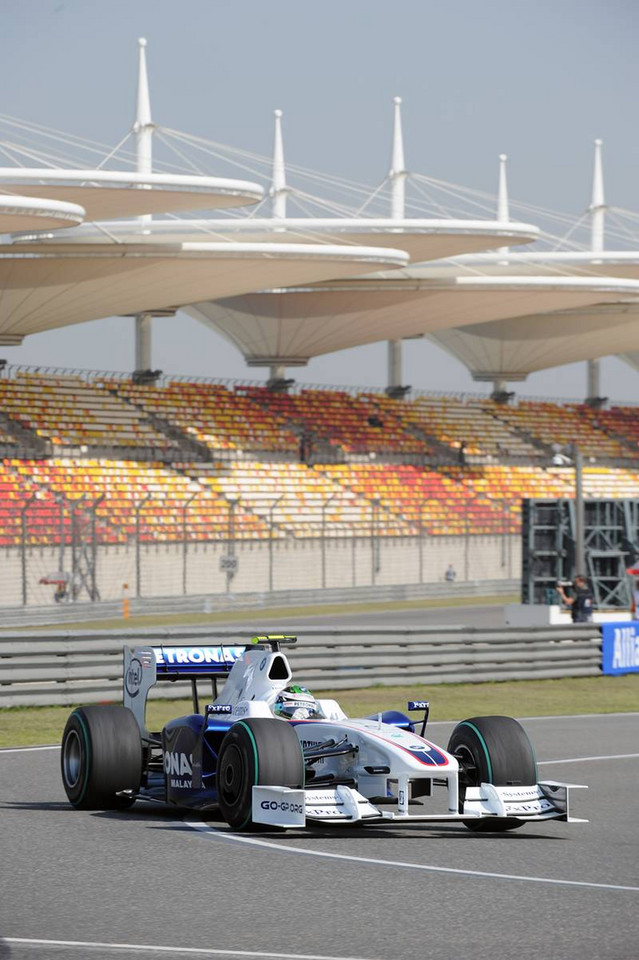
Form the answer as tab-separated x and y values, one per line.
30	726
277	613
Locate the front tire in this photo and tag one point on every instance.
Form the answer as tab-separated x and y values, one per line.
258	751
493	750
101	756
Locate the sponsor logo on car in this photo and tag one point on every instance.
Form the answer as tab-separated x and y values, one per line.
178	769
519	793
282	805
133	677
323	796
537	806
196	656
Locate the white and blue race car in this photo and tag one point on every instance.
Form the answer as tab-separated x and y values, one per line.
265	751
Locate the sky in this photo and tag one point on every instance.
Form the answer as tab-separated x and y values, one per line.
539	81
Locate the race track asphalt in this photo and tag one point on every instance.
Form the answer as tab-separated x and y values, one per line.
152	882
487	615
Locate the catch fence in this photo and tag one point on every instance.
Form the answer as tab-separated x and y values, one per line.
65	551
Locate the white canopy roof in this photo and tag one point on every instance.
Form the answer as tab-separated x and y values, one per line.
422	239
607	263
43	287
29	213
290	326
511	349
632	357
106	194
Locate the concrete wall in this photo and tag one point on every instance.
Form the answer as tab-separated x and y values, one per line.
166	570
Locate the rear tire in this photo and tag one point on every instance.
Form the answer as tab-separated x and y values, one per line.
259	751
101	755
493	750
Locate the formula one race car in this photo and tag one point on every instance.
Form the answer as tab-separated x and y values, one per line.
267	752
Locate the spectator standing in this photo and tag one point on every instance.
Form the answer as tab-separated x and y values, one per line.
451	574
581	604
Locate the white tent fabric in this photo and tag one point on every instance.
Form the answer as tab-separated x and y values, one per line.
422	239
107	194
34	213
42	288
632	357
511	349
291	326
605	263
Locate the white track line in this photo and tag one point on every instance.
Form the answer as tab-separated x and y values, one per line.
612	756
55	746
214	834
582	716
175	951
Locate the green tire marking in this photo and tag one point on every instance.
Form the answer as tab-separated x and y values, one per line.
241	723
466	723
87	745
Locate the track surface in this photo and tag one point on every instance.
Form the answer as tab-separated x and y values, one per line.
157	878
487	615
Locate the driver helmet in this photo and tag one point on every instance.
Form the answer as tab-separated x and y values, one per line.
296	703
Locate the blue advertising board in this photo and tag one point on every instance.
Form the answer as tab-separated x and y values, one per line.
620	650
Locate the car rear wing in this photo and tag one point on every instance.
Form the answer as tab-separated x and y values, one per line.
146	666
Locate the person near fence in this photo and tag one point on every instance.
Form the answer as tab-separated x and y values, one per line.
581	603
451	574
61	593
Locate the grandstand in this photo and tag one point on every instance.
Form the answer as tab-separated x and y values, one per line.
95	464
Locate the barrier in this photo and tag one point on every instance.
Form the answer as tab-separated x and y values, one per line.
55	614
64	668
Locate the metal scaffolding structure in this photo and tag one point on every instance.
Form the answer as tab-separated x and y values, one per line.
549	548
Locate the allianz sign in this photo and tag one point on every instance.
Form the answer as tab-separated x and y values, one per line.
620	651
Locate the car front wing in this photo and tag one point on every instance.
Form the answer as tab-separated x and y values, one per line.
286	807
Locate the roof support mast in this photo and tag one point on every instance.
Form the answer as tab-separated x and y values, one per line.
503	211
278	184
278	194
500	393
143	130
397	177
597	211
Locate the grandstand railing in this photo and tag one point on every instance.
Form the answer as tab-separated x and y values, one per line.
232	383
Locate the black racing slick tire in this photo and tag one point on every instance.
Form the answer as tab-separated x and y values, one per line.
493	750
256	752
101	756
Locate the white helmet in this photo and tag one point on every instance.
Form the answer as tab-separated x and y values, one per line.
296	703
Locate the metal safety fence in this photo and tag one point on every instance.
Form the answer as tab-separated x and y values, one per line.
65	551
